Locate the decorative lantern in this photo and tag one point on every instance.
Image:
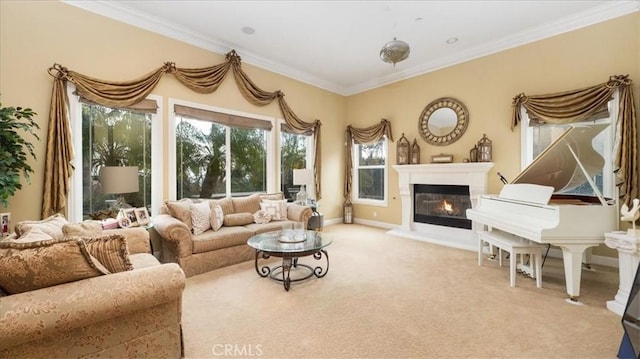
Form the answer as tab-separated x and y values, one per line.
473	154
415	153
348	212
484	149
403	151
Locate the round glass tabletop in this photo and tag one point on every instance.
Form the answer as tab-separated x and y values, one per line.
289	241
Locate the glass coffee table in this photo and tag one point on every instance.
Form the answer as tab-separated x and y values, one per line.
290	245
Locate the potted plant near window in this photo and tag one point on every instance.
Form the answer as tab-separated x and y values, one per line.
14	149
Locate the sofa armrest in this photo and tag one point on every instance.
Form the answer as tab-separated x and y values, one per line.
299	213
137	238
44	312
175	234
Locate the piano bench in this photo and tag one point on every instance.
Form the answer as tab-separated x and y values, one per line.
515	246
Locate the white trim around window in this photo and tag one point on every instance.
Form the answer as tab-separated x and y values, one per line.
171	143
355	187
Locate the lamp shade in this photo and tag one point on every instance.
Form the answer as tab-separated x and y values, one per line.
117	179
302	176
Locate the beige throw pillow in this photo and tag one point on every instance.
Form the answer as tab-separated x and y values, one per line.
277	209
51	226
217	217
181	210
200	217
34	265
85	229
111	251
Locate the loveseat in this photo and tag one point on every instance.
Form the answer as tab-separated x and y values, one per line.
135	312
203	235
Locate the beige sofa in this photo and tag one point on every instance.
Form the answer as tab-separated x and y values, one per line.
130	314
202	252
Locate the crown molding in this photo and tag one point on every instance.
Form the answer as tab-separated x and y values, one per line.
595	15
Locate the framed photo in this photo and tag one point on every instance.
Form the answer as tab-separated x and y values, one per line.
442	158
142	216
5	220
130	215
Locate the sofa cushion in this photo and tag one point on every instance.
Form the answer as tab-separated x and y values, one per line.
200	217
277	208
223	238
217	217
249	204
33	235
226	204
111	251
269	227
237	219
34	265
143	260
51	226
84	229
181	210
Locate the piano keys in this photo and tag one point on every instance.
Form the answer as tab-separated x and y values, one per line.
531	208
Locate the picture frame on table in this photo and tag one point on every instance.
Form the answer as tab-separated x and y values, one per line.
142	216
5	221
130	215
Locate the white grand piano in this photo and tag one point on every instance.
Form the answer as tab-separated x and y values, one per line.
528	208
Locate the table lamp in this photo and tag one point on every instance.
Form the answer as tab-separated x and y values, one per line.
119	180
302	177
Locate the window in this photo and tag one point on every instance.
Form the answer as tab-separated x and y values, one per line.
295	153
536	137
219	154
370	173
112	137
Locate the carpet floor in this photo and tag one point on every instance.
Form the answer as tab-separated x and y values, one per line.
390	297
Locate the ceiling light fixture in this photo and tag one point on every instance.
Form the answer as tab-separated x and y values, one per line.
395	51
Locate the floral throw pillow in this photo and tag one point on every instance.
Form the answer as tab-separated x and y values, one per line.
262	217
200	217
34	265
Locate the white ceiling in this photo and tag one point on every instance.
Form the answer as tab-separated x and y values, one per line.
335	45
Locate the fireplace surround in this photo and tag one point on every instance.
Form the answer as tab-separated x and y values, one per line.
467	176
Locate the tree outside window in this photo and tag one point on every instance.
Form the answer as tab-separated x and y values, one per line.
114	137
370	171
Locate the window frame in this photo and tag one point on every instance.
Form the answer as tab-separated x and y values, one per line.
75	210
609	189
309	157
172	176
355	176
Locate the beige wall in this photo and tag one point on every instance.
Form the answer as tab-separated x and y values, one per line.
33	36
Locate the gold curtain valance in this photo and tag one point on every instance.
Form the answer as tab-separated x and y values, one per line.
125	94
585	103
361	136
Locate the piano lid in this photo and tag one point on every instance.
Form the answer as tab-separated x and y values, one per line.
566	163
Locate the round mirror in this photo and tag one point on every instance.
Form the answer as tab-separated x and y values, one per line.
443	121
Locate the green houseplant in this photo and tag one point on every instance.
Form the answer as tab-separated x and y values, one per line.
14	148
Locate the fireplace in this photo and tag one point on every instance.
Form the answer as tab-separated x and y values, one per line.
467	181
443	205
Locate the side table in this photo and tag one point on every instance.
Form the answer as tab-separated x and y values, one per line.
628	258
316	222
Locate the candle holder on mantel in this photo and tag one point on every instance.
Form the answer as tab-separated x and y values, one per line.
631	215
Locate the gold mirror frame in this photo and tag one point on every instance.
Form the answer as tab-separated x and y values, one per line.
462	121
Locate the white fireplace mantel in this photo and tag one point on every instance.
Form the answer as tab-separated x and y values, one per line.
472	174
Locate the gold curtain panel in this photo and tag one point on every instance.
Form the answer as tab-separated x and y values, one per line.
588	103
361	136
126	94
